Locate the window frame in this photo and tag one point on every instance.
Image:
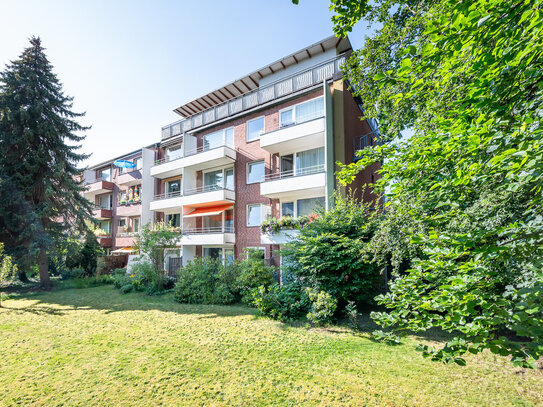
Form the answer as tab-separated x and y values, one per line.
247	128
248	213
293	115
247	171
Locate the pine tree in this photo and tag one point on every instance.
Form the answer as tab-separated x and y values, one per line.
38	166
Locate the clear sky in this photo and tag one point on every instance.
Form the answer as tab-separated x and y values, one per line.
128	64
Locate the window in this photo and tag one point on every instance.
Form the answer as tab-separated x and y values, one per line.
229	256
136	225
173	219
229	221
229	137
173	187
105	174
213	252
139	163
287	165
174	152
213	222
255	172
229	176
214	179
310	161
105	225
105	201
287	209
255	128
219	138
303	112
308	206
254	213
122	223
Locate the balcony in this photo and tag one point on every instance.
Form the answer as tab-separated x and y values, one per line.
97	186
102	213
167	202
212	236
207	196
130	178
167	168
302	183
104	240
205	157
281	237
125	239
307	133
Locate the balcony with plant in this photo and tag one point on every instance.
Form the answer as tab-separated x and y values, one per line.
273	225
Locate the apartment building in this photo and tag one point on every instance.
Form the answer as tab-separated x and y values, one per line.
121	198
264	145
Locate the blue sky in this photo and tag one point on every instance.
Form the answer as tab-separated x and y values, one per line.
128	64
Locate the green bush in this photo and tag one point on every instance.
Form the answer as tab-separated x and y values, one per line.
285	302
125	289
323	306
252	272
205	281
75	273
331	253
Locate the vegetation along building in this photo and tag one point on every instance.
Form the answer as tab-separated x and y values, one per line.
264	145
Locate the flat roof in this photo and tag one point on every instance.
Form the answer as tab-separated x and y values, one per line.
251	81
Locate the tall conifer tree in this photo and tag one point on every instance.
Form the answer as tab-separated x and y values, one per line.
38	164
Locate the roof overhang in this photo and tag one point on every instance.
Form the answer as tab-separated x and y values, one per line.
251	81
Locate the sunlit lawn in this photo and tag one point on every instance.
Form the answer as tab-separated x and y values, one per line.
97	347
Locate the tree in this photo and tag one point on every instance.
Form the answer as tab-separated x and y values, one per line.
466	76
7	268
38	162
152	241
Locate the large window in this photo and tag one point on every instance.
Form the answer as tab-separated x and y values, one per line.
174	152
105	174
219	138
255	128
173	219
136	225
254	215
105	201
173	187
287	209
308	206
105	225
255	172
219	253
219	179
302	163
303	112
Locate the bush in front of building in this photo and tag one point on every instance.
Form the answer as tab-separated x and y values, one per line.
286	302
252	272
206	281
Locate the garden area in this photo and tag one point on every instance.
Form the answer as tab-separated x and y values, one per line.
95	346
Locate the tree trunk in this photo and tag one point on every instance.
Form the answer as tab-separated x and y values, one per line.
45	282
21	274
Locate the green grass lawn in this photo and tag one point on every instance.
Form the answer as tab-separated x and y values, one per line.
95	346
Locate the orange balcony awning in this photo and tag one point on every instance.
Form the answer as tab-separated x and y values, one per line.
208	211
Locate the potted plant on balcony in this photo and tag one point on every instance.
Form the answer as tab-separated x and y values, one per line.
98	232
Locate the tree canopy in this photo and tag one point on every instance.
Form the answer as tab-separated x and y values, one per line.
38	167
464	207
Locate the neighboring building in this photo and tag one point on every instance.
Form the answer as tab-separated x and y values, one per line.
121	197
263	145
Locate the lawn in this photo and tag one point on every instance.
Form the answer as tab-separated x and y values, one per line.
95	346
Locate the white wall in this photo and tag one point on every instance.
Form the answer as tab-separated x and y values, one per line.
303	65
147	185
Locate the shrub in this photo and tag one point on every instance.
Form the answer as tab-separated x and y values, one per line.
285	302
252	273
323	306
75	273
125	289
352	314
205	281
331	253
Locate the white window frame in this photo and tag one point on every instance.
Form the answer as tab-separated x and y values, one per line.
223	136
247	171
180	145
223	169
295	159
136	162
247	215
247	128
295	202
293	108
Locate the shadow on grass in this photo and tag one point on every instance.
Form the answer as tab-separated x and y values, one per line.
107	299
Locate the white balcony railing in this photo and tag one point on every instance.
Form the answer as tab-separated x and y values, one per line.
298	172
206	188
249	100
208	230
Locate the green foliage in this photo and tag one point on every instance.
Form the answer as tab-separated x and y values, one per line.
352	314
7	268
465	190
251	272
274	225
38	164
205	281
323	306
285	302
331	253
127	288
